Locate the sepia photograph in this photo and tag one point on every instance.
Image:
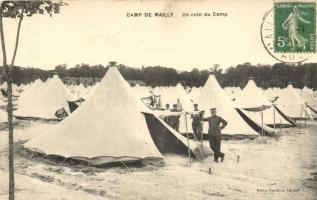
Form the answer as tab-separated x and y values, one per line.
158	99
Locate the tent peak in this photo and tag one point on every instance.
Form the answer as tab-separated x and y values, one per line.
112	64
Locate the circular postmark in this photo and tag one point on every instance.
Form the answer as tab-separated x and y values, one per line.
284	42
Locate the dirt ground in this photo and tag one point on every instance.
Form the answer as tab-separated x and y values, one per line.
284	168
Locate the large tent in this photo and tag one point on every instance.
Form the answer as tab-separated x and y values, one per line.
290	102
45	101
271	94
194	92
254	104
142	91
170	95
31	91
109	127
308	96
212	95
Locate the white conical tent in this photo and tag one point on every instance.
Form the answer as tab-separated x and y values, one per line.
71	88
212	95
31	91
184	98
308	96
80	91
251	97
109	125
169	95
253	100
52	96
292	104
142	91
271	93
194	92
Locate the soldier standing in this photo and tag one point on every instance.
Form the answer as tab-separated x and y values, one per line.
216	124
197	117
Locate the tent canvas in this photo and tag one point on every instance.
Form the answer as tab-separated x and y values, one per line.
169	95
52	96
108	127
253	101
31	91
212	95
292	104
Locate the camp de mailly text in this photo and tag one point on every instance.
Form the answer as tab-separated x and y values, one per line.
171	14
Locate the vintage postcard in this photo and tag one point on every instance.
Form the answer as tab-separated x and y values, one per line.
134	99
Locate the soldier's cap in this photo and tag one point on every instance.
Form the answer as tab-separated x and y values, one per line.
213	109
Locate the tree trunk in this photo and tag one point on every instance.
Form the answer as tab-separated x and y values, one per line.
16	43
11	144
7	78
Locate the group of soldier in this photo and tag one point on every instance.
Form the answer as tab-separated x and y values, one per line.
171	115
215	125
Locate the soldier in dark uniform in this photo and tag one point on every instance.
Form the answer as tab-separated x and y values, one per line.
166	116
152	99
197	117
179	105
174	117
216	124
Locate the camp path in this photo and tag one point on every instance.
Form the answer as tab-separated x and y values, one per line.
280	169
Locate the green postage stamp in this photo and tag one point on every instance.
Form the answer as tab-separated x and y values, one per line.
295	27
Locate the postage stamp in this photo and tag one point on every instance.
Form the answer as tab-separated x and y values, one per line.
295	27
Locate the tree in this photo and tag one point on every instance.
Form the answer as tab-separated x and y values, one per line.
18	10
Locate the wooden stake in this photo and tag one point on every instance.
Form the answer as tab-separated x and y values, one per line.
202	133
189	160
262	124
274	117
305	112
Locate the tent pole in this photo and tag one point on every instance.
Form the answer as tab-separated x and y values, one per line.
189	160
274	117
262	131
301	113
202	133
305	112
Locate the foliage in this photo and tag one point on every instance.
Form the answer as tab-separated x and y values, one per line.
13	9
277	75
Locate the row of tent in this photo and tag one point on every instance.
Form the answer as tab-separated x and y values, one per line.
249	105
77	90
303	102
114	125
296	103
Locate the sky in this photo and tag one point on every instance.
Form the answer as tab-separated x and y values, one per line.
96	32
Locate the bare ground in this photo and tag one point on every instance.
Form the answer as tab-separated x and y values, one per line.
275	169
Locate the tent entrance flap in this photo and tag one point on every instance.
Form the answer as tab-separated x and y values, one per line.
253	124
285	117
312	109
167	140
